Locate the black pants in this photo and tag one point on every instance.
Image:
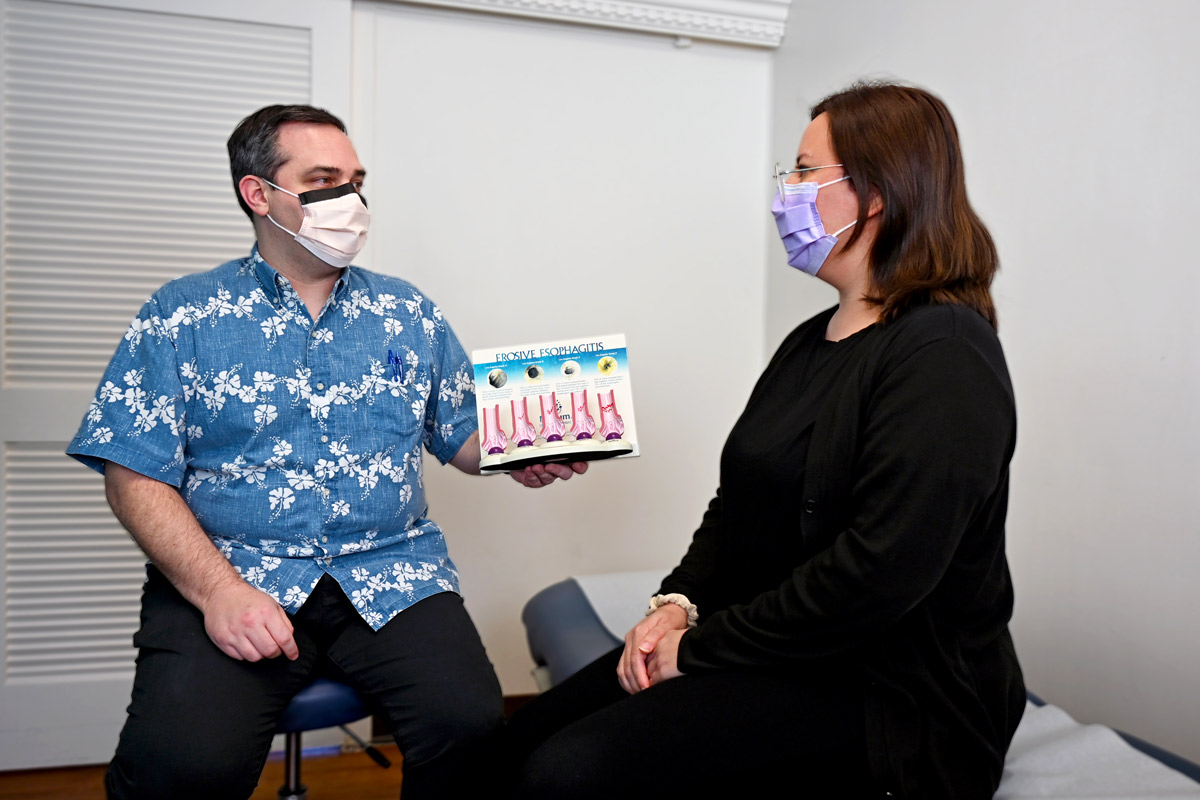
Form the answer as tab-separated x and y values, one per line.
200	723
722	734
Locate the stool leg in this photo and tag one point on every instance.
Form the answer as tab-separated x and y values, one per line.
292	788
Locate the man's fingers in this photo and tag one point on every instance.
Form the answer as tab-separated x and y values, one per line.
561	471
246	649
536	476
261	644
280	628
230	650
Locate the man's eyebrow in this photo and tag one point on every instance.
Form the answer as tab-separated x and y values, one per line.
321	170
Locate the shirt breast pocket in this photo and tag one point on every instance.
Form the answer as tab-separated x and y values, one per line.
399	413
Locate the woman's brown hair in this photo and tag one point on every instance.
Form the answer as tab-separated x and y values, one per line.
900	144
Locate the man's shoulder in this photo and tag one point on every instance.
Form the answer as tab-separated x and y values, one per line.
379	283
199	286
397	290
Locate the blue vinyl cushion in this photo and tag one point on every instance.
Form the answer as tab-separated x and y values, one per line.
322	704
563	630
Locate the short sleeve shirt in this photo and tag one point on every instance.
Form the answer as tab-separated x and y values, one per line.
297	443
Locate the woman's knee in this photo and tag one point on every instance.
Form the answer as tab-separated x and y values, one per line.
567	765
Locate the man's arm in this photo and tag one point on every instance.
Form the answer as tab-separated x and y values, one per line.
242	621
535	477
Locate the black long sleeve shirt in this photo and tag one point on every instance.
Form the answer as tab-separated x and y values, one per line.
860	522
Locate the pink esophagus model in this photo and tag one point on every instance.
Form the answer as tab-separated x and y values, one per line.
611	424
552	427
582	424
523	432
494	440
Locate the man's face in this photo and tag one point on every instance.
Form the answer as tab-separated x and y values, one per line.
316	157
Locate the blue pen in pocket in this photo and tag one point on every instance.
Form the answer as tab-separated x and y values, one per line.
397	366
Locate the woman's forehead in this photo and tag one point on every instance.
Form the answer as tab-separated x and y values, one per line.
815	144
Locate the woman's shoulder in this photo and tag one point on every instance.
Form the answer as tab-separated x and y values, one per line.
925	325
942	339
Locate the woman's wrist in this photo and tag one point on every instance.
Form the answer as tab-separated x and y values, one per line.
675	599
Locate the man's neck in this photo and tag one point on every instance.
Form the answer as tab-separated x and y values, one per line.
312	278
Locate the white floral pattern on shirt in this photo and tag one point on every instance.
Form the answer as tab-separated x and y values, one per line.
297	443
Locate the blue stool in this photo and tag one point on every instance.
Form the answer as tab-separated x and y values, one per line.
321	704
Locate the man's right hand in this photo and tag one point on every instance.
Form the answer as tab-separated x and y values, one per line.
247	624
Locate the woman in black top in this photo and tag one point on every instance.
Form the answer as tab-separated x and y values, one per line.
839	622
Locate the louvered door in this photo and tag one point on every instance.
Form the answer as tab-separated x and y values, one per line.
113	180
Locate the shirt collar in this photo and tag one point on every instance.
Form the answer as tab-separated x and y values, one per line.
271	281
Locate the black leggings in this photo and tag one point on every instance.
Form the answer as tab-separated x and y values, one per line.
718	734
200	723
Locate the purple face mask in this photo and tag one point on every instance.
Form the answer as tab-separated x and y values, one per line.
800	225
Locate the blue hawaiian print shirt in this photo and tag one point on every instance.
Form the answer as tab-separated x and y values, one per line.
297	444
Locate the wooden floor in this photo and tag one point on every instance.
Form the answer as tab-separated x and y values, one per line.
328	777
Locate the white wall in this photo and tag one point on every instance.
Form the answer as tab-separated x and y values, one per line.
543	181
1078	121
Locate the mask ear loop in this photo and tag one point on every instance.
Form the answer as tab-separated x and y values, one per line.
285	230
285	191
840	230
294	234
820	185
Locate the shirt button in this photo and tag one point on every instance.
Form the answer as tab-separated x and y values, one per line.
325	492
324	439
321	387
324	539
810	506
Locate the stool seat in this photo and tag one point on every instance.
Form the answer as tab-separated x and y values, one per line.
322	704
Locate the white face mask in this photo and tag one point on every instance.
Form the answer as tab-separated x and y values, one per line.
335	223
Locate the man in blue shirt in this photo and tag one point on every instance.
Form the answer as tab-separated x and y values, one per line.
261	430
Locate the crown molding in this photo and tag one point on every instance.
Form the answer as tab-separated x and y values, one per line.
758	23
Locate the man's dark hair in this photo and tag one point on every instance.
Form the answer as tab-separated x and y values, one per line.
253	144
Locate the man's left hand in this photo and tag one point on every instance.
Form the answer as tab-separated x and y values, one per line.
539	475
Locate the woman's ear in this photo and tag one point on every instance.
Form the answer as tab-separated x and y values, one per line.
874	205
